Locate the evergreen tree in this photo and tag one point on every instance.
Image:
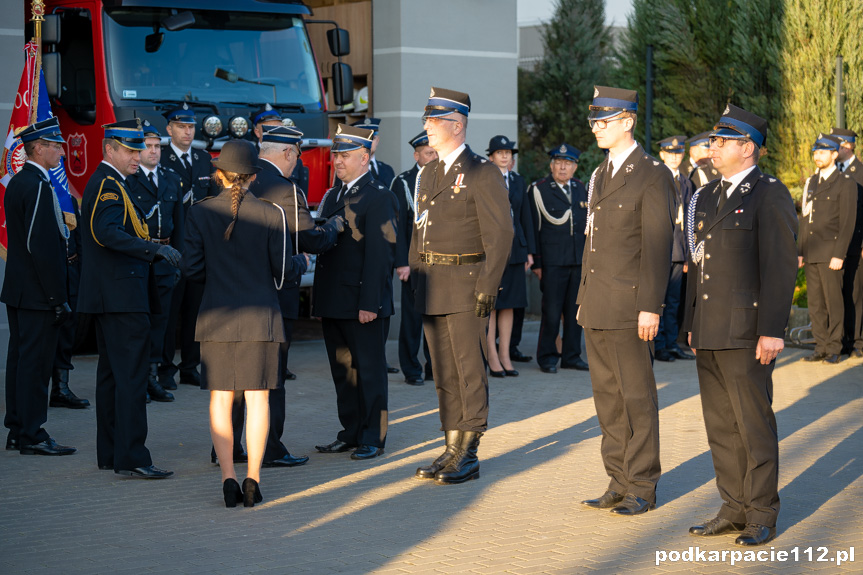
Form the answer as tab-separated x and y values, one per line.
554	98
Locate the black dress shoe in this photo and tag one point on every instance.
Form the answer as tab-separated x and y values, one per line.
417	380
106	467
367	452
158	393
290	375
516	355
548	369
832	358
678	353
816	356
12	444
239	457
167	382
578	364
755	534
716	526
190	378
633	505
609	499
286	461
663	355
337	446
856	353
148	472
47	447
391	369
494	373
510	372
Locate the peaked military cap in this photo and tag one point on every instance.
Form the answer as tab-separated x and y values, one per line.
844	134
826	142
373	124
566	152
150	130
674	144
127	132
609	102
702	139
182	114
282	135
501	143
443	102
239	157
737	123
264	113
421	139
350	138
48	130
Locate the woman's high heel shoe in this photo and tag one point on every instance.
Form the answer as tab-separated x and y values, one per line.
232	492
494	373
251	493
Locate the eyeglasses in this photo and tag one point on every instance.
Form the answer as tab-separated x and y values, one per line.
564	161
52	145
435	119
719	141
602	124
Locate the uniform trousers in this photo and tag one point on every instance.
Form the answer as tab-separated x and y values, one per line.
359	368
857	298
185	302
159	321
457	343
624	392
275	448
668	327
826	309
410	335
736	399
559	287
123	340
66	335
32	345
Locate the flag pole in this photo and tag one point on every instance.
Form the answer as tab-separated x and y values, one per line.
38	16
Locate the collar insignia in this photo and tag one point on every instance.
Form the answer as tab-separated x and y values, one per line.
629	168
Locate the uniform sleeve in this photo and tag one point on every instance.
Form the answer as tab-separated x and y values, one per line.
192	263
399	188
657	234
280	247
107	224
777	228
313	238
527	219
380	249
847	216
416	237
179	233
495	224
45	244
534	228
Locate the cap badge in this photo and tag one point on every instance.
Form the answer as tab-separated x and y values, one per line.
595	92
268	108
727	110
338	130
146	122
503	141
674	142
185	106
431	95
562	149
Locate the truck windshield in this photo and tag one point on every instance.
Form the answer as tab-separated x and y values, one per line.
266	58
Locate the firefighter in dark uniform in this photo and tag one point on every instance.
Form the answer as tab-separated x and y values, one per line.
461	243
852	279
353	294
265	118
116	258
558	203
829	213
627	258
159	193
741	232
34	290
665	344
700	168
195	168
280	149
411	327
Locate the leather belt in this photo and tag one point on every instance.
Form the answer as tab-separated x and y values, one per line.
164	242
451	259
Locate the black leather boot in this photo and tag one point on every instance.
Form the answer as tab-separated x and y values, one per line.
429	471
464	465
61	395
154	390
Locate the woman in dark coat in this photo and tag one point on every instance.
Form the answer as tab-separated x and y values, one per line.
236	244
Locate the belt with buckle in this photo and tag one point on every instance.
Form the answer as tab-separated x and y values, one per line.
164	242
451	259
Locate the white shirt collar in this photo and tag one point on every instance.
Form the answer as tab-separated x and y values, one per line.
274	165
827	172
451	157
736	179
618	160
180	152
354	181
41	169
147	171
675	173
107	163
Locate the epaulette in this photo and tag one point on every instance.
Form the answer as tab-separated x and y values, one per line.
205	198
380	187
773	180
539	181
576	180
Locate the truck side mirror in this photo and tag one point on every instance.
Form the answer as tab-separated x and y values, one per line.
340	42
51	69
343	84
51	29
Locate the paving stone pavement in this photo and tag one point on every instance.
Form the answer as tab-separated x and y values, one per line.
539	458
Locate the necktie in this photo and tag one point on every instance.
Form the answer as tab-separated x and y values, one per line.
152	179
566	191
506	181
188	163
723	195
342	191
375	170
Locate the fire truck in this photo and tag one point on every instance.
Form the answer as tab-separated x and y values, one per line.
113	60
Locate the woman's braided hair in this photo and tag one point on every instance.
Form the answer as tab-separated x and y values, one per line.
239	184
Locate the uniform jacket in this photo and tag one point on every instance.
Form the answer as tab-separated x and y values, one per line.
306	236
200	183
683	189
555	245
357	273
742	288
384	173
626	264
467	212
403	188
701	176
524	238
115	262
240	275
163	209
826	231
855	170
36	257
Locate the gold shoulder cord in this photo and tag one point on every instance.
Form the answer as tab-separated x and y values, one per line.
140	227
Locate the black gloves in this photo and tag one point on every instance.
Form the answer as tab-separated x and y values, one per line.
338	223
61	313
169	254
484	304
